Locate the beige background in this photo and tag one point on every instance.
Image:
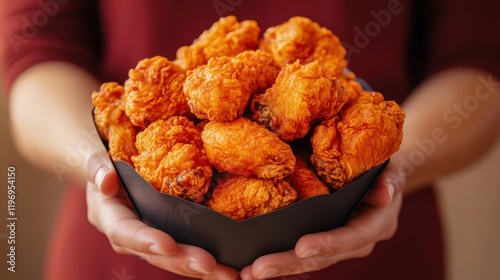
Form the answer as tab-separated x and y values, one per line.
470	207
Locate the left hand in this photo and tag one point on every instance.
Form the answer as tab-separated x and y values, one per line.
374	221
110	211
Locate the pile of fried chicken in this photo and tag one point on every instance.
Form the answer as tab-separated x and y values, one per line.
277	118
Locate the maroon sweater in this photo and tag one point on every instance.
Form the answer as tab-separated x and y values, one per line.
392	44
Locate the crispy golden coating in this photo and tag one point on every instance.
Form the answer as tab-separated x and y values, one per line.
351	88
301	95
245	148
154	91
304	179
112	123
121	141
226	37
219	90
240	197
171	157
108	107
282	119
366	134
265	67
300	38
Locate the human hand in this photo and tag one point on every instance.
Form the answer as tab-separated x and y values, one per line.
375	220
111	212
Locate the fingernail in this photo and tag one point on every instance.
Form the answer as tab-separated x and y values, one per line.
269	272
100	174
155	250
196	267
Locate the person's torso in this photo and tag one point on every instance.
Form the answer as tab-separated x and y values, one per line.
374	33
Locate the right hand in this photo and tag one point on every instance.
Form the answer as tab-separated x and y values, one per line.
375	220
112	213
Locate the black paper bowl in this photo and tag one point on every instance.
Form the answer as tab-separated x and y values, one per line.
238	243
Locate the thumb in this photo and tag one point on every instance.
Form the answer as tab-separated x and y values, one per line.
387	187
100	173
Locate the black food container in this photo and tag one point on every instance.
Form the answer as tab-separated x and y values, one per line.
238	243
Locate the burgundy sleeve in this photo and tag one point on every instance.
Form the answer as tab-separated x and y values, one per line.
34	31
464	33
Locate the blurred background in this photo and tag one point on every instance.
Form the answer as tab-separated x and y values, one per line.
469	199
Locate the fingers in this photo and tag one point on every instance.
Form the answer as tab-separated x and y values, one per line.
381	194
288	263
133	235
370	225
387	187
192	262
114	216
316	251
100	173
188	261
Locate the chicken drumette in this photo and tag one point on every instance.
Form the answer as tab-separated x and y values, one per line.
172	158
364	135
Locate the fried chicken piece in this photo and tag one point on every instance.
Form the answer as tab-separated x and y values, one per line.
108	107
172	158
351	88
304	179
121	142
226	37
265	66
364	135
154	91
245	148
300	38
112	123
219	90
240	197
301	96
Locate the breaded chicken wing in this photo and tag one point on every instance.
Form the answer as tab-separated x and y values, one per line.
226	37
300	38
301	95
219	90
240	197
351	88
265	66
304	179
245	148
172	158
154	91
121	141
112	123
108	107
364	135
